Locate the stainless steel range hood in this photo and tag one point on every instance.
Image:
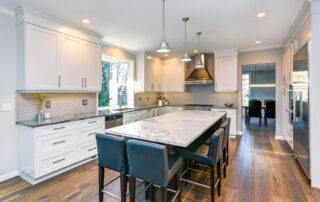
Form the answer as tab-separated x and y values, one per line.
200	75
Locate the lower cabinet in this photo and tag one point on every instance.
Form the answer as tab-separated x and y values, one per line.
232	113
49	150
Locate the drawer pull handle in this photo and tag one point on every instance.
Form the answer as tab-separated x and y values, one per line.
92	122
55	143
58	161
91	134
92	149
59	128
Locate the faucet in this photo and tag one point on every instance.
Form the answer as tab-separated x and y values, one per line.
120	99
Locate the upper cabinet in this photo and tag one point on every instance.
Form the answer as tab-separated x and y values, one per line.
49	60
225	75
173	76
155	75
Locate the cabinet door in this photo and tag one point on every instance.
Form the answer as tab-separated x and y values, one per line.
157	76
173	77
226	74
91	66
41	59
148	76
70	63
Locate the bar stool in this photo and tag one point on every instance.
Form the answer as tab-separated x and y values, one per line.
151	162
212	158
225	145
112	155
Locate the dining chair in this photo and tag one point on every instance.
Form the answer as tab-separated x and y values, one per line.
254	110
270	112
209	155
112	155
151	162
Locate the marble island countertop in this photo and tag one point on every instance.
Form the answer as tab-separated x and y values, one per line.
178	128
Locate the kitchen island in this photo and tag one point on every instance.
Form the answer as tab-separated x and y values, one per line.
179	128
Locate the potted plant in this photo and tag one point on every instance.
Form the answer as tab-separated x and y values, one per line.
40	99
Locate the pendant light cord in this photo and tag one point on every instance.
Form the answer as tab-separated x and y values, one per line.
185	36
163	19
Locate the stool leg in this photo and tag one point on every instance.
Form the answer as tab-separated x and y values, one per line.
219	176
164	194
228	153
101	183
123	186
132	188
225	162
212	182
178	184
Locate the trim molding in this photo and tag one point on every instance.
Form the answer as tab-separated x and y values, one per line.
260	48
9	175
6	11
278	137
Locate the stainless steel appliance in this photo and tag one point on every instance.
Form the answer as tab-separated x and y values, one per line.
202	107
299	103
200	75
113	121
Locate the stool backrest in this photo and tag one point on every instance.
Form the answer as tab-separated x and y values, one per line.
215	147
254	108
148	161
226	127
112	153
270	109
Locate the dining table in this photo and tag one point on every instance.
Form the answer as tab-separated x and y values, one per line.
246	112
179	128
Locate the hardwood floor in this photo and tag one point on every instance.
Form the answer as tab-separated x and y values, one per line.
260	169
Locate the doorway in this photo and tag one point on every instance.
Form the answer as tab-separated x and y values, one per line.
258	94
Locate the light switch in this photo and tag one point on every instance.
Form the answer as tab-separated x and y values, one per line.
6	107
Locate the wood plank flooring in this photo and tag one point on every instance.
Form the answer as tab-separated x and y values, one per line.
260	169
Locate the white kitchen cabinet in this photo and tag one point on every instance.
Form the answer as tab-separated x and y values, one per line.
170	109
173	76
37	58
225	74
47	151
232	113
130	117
53	61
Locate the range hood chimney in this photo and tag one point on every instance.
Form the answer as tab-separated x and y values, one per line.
200	75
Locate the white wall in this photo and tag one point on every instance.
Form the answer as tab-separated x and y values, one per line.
315	94
8	136
258	57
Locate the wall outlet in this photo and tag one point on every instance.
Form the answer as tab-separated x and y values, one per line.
6	107
147	98
48	104
84	102
140	99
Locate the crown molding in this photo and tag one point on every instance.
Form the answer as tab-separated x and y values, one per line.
6	11
260	48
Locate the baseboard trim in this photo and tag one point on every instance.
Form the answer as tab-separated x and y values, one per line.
279	138
9	175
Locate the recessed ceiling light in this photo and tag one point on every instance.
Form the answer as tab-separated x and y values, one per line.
195	51
149	57
86	21
258	42
63	29
125	45
261	14
165	55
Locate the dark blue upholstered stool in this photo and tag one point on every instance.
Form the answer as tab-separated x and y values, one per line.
112	155
210	155
151	163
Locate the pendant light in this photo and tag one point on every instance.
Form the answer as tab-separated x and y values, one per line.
198	61
164	47
185	57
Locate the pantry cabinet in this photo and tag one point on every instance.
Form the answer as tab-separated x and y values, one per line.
52	61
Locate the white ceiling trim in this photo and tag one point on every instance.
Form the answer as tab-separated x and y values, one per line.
6	11
260	48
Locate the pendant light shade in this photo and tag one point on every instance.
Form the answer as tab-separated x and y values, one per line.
198	61
186	57
164	46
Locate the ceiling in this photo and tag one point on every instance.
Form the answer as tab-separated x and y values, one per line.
137	23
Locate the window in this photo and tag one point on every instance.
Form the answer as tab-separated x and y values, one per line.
245	89
117	83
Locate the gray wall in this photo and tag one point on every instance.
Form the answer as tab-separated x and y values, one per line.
263	93
8	135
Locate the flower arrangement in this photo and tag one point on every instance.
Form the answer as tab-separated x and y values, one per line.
40	99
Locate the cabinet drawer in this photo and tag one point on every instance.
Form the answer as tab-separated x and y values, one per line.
89	134
55	142
91	122
57	128
47	165
87	151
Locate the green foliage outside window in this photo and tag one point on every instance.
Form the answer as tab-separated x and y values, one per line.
104	96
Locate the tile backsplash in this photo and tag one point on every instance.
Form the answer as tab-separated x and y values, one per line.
60	104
